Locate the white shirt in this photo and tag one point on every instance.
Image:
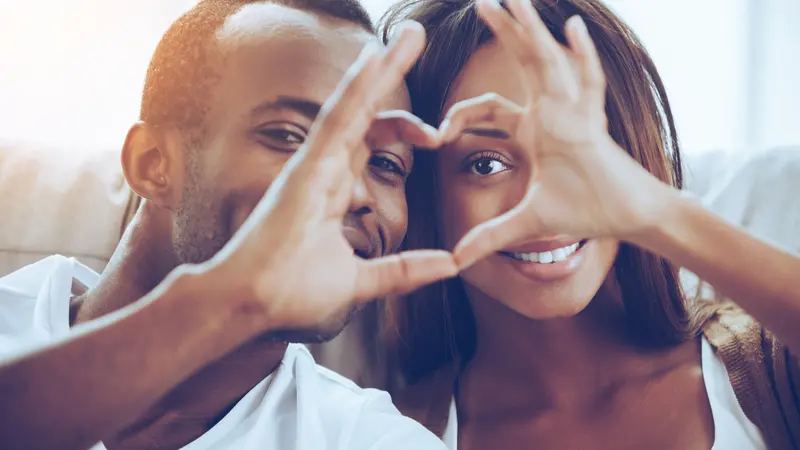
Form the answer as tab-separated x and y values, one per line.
732	429
300	406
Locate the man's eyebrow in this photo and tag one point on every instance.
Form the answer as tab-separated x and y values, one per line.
488	132
302	106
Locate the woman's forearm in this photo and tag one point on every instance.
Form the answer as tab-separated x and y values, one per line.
761	278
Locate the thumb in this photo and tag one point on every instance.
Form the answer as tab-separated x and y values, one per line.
491	236
402	273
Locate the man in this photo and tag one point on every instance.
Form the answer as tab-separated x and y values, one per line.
180	341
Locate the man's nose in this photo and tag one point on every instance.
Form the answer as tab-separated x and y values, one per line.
362	201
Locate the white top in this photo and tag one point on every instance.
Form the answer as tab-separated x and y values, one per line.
300	406
732	429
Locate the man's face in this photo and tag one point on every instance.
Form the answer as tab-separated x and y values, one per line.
277	66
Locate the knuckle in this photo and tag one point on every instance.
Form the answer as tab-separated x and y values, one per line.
494	100
332	119
529	60
406	273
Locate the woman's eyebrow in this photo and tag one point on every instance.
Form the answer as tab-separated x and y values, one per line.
488	132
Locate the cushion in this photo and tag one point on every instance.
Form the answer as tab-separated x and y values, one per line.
65	201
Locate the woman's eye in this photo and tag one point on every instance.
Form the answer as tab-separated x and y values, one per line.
487	166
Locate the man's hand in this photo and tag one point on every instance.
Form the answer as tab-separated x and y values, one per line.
290	258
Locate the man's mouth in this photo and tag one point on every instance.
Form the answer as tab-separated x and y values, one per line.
547	257
363	245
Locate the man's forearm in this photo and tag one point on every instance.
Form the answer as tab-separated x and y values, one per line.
77	391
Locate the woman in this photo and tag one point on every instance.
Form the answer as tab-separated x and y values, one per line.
569	328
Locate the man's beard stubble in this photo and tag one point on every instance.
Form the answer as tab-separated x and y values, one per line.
319	335
202	227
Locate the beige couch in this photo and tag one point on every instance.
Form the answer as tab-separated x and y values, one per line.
65	201
76	203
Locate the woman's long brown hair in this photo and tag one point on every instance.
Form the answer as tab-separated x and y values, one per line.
434	327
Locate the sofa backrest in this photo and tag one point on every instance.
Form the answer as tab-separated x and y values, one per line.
76	203
64	201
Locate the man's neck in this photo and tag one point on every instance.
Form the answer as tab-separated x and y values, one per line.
196	405
141	261
558	363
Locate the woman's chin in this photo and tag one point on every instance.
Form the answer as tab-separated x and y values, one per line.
545	291
548	308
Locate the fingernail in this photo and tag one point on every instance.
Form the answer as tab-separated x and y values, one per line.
580	26
494	4
408	24
403	28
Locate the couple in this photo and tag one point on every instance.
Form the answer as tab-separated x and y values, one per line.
275	172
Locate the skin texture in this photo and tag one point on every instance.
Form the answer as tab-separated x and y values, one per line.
162	350
553	364
469	199
557	372
252	128
584	381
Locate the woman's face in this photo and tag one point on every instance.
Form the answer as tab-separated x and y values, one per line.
483	175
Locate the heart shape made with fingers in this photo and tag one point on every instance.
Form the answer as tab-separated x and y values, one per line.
582	184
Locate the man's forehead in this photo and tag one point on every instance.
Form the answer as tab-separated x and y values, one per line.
272	50
258	22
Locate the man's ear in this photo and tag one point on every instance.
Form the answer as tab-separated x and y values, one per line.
152	162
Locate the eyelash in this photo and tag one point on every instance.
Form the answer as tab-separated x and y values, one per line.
284	136
486	155
280	135
394	167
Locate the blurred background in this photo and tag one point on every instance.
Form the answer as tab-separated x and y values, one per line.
71	72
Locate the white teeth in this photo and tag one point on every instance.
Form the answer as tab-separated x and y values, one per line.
559	254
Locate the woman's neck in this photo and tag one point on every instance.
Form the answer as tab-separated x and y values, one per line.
556	363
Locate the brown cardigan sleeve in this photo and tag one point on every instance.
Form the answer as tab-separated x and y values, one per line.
764	375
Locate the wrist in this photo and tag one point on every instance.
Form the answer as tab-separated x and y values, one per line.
665	217
223	308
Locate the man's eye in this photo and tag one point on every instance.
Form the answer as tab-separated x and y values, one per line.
282	135
386	164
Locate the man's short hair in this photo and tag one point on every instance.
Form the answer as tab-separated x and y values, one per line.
182	72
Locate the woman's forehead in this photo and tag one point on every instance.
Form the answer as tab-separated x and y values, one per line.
490	69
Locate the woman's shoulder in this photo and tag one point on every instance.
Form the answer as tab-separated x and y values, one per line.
762	371
731	327
748	350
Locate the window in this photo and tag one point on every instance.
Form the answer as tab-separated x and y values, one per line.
73	71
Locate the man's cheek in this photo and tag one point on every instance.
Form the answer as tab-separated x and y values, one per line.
394	218
240	215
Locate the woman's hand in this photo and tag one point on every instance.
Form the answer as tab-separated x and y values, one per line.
582	185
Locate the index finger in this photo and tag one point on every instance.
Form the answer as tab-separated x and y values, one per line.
348	113
398	126
521	31
492	236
